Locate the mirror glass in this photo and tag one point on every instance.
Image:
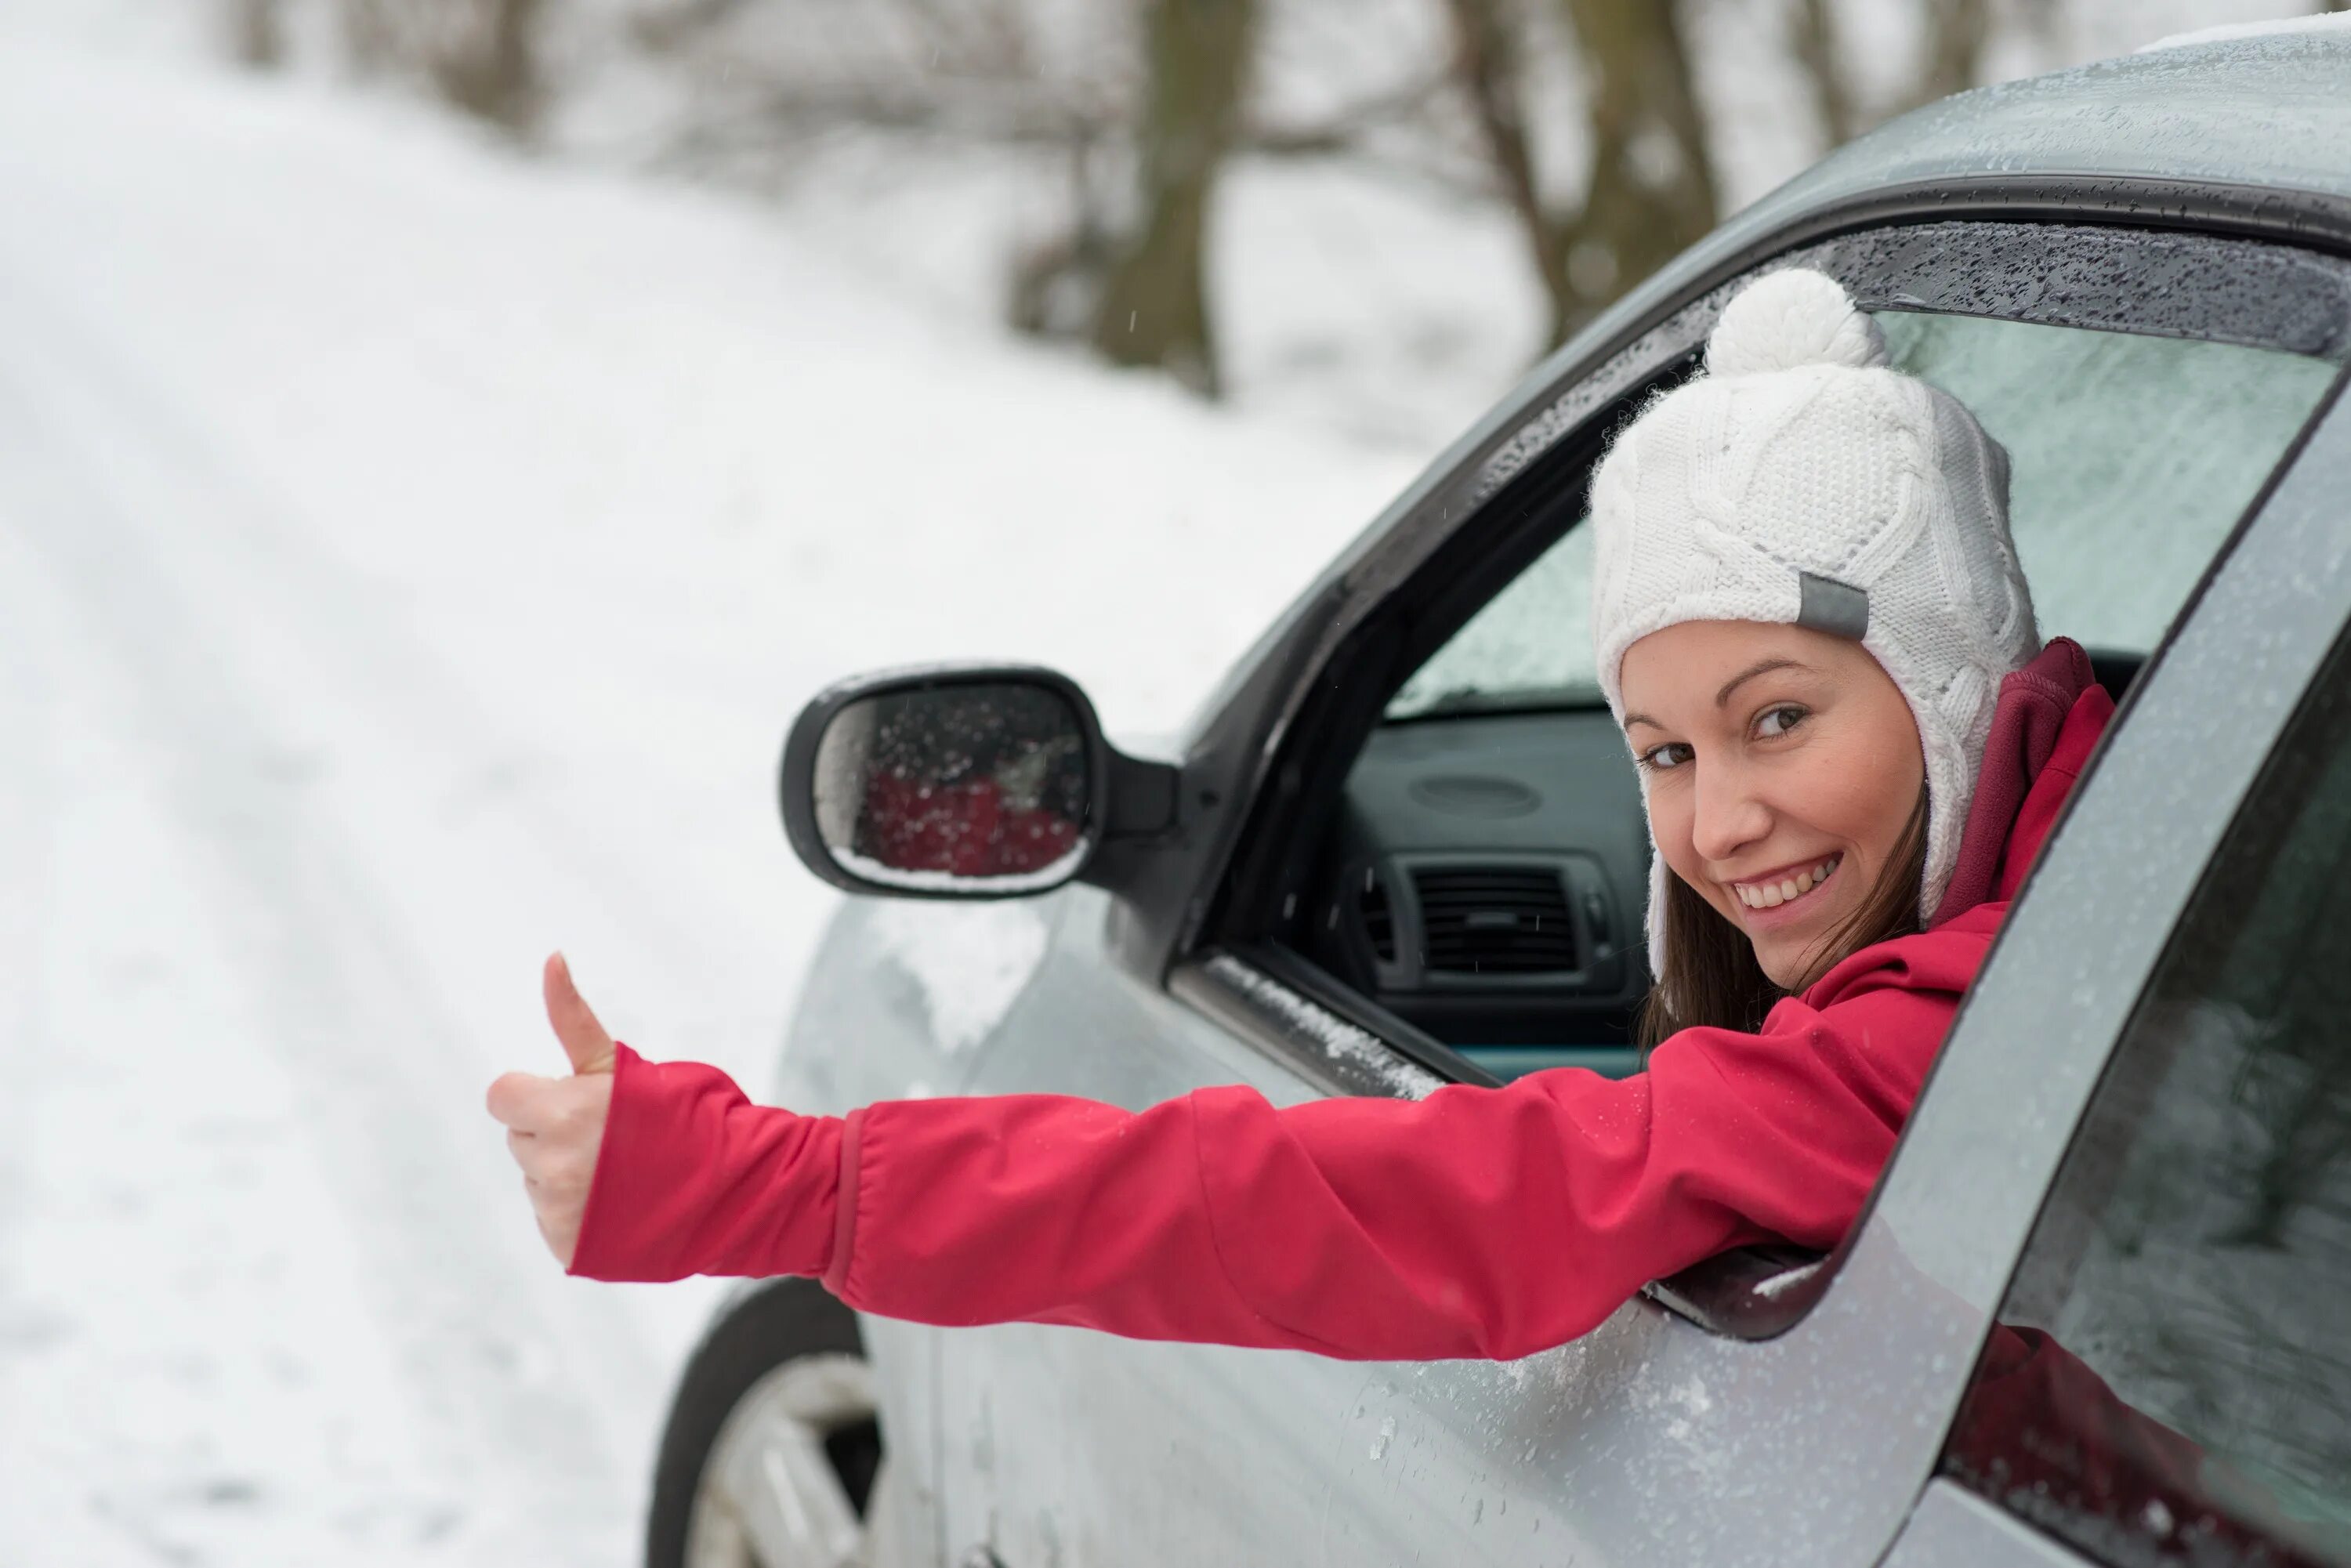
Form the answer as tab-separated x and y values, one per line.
978	788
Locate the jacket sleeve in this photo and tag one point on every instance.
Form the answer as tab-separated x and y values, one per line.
1476	1222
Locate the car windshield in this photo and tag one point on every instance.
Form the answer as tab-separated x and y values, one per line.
2123	449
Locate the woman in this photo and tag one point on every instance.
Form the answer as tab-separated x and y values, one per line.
1810	624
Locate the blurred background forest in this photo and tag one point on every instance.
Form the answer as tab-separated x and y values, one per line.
1261	198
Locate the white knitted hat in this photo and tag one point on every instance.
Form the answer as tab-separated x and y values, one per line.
1801	480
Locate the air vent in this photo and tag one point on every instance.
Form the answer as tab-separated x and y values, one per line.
1379	925
1494	920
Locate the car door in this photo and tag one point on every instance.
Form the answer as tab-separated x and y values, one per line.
1686	1449
1654	1438
2168	1374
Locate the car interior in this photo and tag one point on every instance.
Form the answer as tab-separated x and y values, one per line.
1474	869
1483	881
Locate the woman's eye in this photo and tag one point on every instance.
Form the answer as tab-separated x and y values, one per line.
1673	754
1779	721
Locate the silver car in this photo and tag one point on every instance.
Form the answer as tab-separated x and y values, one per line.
1401	844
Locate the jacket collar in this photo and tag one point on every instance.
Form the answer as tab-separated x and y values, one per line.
2044	724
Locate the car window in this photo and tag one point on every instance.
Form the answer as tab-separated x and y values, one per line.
2170	1376
1530	646
2122	448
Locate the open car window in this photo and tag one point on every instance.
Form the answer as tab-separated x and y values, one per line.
2132	457
1484	872
1447	862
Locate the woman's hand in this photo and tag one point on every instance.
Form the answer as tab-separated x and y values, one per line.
555	1125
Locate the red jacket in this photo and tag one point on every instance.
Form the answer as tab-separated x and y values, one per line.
1476	1222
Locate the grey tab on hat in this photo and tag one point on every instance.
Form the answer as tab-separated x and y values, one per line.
1827	605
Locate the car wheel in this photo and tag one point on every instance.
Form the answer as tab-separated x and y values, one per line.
772	1444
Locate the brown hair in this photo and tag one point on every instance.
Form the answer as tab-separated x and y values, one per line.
1710	975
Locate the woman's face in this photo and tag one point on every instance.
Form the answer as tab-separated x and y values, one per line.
1781	765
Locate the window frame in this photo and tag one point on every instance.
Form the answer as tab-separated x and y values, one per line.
1522	491
1164	892
1429	587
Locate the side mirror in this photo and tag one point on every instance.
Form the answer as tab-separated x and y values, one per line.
961	781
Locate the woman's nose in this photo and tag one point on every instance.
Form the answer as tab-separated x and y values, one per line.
1728	816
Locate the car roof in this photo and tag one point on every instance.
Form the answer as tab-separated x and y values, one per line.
2270	108
2245	114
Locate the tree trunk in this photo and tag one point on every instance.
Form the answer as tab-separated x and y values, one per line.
1154	308
1813	34
1651	192
1956	31
1487	52
490	68
370	44
1057	282
257	33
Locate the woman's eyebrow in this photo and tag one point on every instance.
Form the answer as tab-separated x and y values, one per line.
1761	667
1633	718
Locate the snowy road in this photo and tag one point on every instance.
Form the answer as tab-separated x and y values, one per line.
258	1233
409	557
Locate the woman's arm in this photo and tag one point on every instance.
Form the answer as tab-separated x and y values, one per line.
1477	1222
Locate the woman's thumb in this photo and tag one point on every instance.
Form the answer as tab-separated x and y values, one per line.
584	1039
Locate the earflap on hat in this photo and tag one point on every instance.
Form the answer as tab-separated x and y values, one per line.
1653	924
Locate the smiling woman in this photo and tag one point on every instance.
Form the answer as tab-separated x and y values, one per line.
1805	600
1807	614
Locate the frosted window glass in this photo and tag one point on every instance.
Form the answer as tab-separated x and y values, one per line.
2131	459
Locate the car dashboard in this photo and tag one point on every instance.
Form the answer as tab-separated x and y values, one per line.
1484	880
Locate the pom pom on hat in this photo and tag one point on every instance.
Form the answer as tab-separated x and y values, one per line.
1789	318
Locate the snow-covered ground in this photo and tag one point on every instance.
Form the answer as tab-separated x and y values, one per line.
410	558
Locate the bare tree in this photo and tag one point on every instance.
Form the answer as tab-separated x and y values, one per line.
485	60
371	36
971	73
1648	188
1813	36
1154	308
1135	105
481	55
1956	31
1651	192
1090	279
257	33
1488	54
1950	60
1056	282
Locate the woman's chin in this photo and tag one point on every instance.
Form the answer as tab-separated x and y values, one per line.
1788	951
1783	968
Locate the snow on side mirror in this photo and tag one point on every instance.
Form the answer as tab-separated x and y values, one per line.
951	781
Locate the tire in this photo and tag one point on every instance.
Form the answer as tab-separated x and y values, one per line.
772	1443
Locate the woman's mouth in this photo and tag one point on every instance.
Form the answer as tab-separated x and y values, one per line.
1772	892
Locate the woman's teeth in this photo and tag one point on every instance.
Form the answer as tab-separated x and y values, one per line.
1771	894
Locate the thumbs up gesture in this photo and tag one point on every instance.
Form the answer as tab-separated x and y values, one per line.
555	1125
